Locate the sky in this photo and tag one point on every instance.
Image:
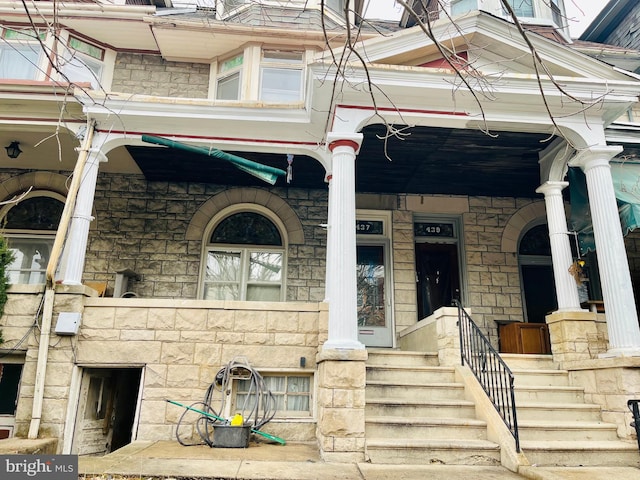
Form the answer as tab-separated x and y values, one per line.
579	12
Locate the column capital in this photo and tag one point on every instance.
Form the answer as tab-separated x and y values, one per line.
595	156
336	139
552	188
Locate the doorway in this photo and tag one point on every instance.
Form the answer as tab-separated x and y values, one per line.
438	280
106	410
536	274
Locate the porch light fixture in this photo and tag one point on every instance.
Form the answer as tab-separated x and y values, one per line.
13	150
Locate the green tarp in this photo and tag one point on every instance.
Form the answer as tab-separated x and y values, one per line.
626	184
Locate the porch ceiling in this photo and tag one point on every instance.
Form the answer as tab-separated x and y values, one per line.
428	161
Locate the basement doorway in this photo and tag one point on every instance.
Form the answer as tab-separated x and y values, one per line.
107	407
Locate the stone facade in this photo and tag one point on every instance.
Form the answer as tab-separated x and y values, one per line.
179	345
152	75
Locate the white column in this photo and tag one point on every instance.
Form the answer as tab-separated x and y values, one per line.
76	245
343	306
330	213
566	288
622	317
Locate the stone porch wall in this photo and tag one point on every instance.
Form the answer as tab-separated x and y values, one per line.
141	225
180	344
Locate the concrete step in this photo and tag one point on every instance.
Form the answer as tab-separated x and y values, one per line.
417	428
558	411
581	453
529	362
545	378
410	374
450	452
419	408
414	392
559	430
530	393
398	357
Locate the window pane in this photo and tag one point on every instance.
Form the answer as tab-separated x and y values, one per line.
31	256
522	8
263	293
280	85
228	87
19	61
86	48
221	291
298	403
265	266
298	384
463	6
38	213
223	266
82	69
277	56
275	384
247	228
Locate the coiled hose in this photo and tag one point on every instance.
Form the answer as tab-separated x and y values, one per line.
257	409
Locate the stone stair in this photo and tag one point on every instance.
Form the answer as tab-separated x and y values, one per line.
557	427
416	413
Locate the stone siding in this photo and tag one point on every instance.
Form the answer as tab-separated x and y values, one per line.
152	75
181	345
141	226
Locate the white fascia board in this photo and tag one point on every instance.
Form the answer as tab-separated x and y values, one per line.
204	110
63	10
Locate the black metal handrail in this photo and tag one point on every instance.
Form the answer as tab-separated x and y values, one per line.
490	369
634	406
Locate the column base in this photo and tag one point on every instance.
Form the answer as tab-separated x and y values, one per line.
342	345
621	352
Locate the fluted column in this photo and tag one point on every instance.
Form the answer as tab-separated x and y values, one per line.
622	317
341	244
76	245
330	214
566	289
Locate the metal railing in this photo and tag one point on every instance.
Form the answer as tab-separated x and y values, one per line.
634	406
490	369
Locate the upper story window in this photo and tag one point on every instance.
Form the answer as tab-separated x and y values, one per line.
244	260
82	62
522	8
556	12
281	76
20	52
30	227
229	78
458	7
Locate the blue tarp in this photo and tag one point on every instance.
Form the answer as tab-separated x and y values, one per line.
626	184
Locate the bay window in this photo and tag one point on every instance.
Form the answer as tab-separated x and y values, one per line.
281	76
20	52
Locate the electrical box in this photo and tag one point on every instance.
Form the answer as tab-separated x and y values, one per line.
68	323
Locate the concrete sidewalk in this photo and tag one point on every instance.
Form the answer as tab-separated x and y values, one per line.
302	462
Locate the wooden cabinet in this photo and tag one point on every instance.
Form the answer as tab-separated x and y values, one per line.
520	337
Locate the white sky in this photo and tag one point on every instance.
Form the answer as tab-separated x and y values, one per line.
579	12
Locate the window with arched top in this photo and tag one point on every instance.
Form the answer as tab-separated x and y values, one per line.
30	226
244	259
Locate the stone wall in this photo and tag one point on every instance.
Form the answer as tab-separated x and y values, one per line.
152	75
180	345
141	225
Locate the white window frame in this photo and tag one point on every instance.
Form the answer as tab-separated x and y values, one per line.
78	66
22	46
244	250
286	62
461	7
223	73
283	414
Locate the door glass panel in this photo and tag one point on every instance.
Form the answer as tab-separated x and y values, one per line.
371	294
438	281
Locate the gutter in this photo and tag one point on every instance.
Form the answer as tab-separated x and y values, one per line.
49	293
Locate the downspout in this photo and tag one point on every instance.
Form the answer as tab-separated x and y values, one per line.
49	293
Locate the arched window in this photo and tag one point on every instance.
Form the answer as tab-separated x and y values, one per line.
30	226
244	259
